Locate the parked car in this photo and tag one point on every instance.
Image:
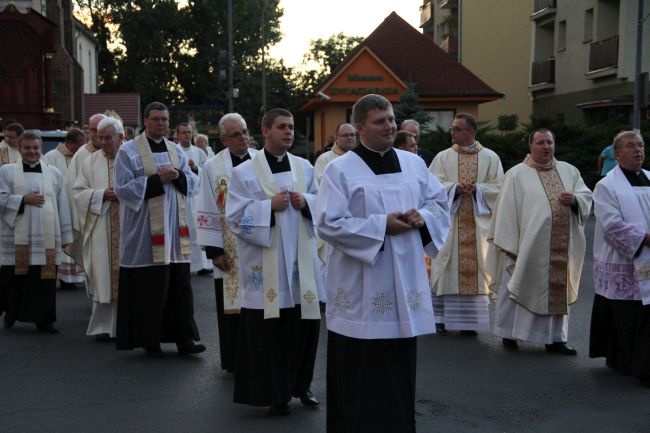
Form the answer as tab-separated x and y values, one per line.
51	139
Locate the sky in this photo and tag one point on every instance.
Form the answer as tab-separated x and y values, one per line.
304	20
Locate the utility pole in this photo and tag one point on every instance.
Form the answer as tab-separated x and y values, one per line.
231	101
639	85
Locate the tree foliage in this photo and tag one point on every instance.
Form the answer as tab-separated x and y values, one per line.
408	107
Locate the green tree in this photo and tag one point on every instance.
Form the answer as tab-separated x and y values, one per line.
408	107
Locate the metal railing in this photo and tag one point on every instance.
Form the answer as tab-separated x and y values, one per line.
543	71
543	4
603	53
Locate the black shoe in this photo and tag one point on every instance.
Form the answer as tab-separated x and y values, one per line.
509	343
9	321
469	333
204	272
104	337
189	348
153	352
46	328
440	328
561	348
281	409
308	399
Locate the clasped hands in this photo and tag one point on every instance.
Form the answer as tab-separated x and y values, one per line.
465	188
400	222
566	198
283	199
168	174
34	198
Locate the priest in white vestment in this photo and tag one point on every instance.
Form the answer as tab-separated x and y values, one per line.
620	320
99	209
269	208
538	247
201	141
381	210
153	183
34	225
214	235
471	175
196	158
69	273
9	145
346	139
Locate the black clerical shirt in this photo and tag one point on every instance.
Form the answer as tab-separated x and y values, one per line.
154	184
636	179
27	169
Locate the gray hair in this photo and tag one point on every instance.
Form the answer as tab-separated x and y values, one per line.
369	102
618	140
408	122
230	116
203	136
111	121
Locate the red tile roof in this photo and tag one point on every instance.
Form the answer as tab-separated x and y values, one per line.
415	58
127	105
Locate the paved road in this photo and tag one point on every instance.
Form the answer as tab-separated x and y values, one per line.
70	383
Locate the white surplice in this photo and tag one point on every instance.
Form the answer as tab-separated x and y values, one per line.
95	213
69	271
377	284
12	152
130	187
198	259
10	205
249	217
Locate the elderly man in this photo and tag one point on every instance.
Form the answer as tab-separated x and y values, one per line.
537	233
413	126
35	225
153	183
471	175
405	141
195	158
620	320
201	141
9	146
69	273
269	204
214	235
99	210
346	139
380	209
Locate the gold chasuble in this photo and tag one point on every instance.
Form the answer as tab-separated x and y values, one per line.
156	214
467	263
21	230
558	269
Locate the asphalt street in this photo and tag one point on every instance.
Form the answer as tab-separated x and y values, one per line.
71	383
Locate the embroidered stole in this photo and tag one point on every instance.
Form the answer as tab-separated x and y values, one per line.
21	229
220	179
559	254
270	261
4	155
467	250
156	204
66	153
114	214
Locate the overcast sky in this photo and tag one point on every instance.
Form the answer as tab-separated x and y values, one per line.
304	20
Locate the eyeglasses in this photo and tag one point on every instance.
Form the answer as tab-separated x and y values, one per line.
350	135
456	129
237	135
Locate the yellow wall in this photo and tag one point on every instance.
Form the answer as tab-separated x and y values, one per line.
495	45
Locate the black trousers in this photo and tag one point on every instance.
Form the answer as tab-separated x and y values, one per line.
228	325
28	298
155	304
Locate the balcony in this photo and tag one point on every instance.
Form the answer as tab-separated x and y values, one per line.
543	9
449	4
426	13
543	72
603	54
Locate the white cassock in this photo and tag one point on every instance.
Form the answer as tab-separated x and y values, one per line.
8	154
100	240
460	285
249	216
548	241
68	271
323	160
199	260
10	205
377	284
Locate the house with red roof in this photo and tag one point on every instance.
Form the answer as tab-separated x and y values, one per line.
394	55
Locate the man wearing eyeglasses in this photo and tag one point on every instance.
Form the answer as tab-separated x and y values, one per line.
471	174
214	235
346	139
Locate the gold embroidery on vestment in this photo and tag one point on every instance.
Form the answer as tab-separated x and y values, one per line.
467	250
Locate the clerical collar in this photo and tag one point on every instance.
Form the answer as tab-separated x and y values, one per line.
153	139
379	162
636	179
529	161
337	149
236	159
157	146
32	168
277	164
380	152
470	147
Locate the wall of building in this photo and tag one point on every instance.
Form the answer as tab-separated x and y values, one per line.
86	53
497	50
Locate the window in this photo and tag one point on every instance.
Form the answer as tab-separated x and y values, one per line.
440	118
561	36
589	26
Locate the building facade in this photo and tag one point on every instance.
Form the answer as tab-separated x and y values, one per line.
490	38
